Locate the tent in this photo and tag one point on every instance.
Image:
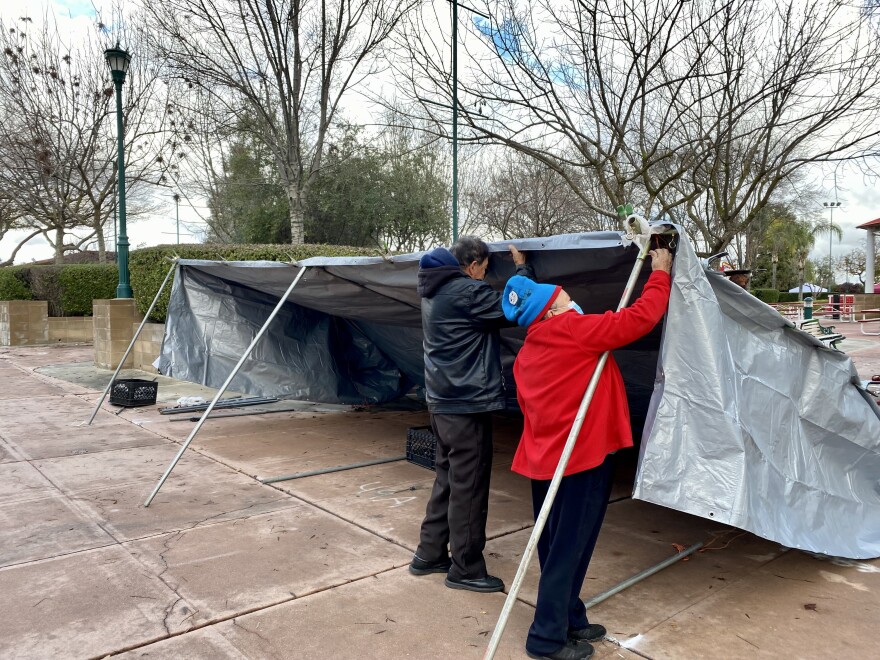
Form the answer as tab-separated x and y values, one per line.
743	418
809	288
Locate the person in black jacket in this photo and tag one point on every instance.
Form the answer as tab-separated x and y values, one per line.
461	317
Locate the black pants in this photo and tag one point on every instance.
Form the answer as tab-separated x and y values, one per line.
456	513
565	548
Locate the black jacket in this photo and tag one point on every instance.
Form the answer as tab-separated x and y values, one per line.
461	317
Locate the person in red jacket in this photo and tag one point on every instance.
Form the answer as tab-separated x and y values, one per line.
552	370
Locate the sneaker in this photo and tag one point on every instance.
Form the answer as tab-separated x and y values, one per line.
484	585
571	651
419	566
592	633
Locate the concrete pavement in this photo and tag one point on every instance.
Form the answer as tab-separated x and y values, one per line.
223	566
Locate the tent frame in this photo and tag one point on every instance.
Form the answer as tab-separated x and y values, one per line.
225	385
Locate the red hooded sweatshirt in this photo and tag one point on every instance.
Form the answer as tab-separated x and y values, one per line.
552	371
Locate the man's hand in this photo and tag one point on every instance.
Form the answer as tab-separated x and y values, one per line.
518	257
661	259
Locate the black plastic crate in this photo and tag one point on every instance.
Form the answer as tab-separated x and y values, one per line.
421	446
132	392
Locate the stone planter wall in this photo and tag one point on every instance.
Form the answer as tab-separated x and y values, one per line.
113	331
71	329
24	322
148	346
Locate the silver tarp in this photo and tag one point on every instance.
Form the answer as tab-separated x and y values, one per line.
744	419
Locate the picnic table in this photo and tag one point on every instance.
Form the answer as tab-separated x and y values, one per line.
864	324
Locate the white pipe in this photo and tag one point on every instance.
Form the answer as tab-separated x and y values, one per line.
223	387
560	471
869	262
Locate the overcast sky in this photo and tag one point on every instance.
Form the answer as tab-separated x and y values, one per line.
859	194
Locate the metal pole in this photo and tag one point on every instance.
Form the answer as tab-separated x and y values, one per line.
560	470
638	577
115	221
177	208
830	240
454	120
131	345
340	468
123	289
223	387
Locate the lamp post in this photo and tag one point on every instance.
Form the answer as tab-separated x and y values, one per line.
177	210
118	61
455	5
830	206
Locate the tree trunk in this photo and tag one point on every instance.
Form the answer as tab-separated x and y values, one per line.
59	245
297	214
773	278
99	233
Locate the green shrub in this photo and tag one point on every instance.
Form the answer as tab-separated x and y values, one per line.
43	281
769	296
786	297
80	284
148	266
13	284
68	289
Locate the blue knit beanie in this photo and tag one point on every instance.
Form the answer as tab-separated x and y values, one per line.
525	301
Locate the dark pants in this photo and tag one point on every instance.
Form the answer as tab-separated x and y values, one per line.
565	548
459	504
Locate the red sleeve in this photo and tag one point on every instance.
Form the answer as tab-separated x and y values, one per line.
605	332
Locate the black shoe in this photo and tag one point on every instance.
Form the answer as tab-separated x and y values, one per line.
592	633
571	651
486	584
419	566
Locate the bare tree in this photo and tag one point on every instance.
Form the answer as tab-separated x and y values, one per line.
698	111
58	142
288	63
521	198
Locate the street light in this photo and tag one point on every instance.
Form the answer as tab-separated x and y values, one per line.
177	207
118	61
455	5
830	206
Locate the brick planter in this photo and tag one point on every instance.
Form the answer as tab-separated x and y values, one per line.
113	331
24	322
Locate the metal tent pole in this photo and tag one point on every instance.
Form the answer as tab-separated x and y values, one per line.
560	470
133	340
641	575
223	387
330	470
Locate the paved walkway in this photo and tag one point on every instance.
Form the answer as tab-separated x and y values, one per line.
223	566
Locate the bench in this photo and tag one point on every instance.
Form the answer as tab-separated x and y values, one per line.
825	334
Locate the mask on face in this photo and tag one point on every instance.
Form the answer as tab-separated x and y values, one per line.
573	305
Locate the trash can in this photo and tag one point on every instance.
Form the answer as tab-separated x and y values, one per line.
834	303
808	308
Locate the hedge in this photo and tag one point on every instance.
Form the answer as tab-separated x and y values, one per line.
786	297
148	266
13	284
768	296
82	283
69	289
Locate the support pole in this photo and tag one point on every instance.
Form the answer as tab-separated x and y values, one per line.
133	340
223	387
641	575
454	120
869	261
314	473
560	468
